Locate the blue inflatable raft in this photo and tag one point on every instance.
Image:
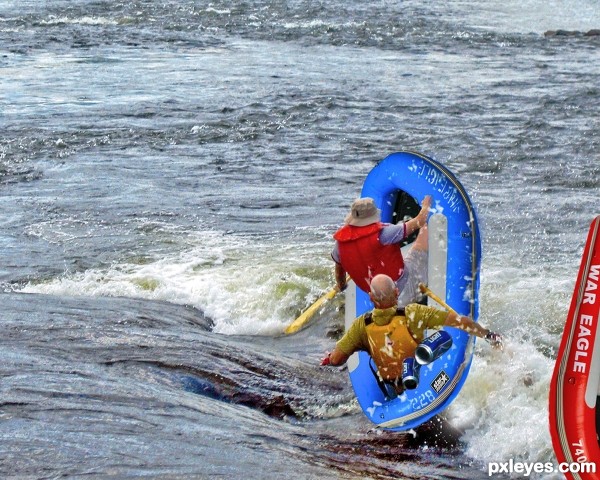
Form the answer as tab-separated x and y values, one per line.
396	184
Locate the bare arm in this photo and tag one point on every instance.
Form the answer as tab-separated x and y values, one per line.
353	340
416	223
340	277
335	358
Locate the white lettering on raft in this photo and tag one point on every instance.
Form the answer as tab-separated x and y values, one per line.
583	343
588	296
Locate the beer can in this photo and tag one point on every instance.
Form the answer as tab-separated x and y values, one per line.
433	347
410	373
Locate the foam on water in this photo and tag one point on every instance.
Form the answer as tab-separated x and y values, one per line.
87	20
236	281
506	397
506	393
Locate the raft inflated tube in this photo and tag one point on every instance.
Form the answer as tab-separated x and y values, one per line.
433	347
574	385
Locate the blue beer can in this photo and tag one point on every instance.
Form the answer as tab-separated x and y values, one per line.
410	373
433	347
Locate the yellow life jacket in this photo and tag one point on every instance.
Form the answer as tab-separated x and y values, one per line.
390	344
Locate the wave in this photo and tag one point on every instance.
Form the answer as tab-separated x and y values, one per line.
236	281
86	20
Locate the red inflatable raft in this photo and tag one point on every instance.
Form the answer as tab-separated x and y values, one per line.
576	377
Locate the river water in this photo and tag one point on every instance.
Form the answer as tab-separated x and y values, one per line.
171	173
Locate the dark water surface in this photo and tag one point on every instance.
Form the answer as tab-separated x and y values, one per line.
171	174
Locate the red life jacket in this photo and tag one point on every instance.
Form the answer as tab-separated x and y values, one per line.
363	256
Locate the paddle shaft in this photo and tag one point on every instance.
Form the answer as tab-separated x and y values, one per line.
425	290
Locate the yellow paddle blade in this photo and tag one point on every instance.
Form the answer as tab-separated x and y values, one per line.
310	311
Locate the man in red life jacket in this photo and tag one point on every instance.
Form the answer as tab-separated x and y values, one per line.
366	247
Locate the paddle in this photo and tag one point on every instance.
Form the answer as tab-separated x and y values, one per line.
310	311
425	290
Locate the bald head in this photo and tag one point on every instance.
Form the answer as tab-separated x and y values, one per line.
384	293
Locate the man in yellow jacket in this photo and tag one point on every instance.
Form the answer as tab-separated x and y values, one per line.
391	335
